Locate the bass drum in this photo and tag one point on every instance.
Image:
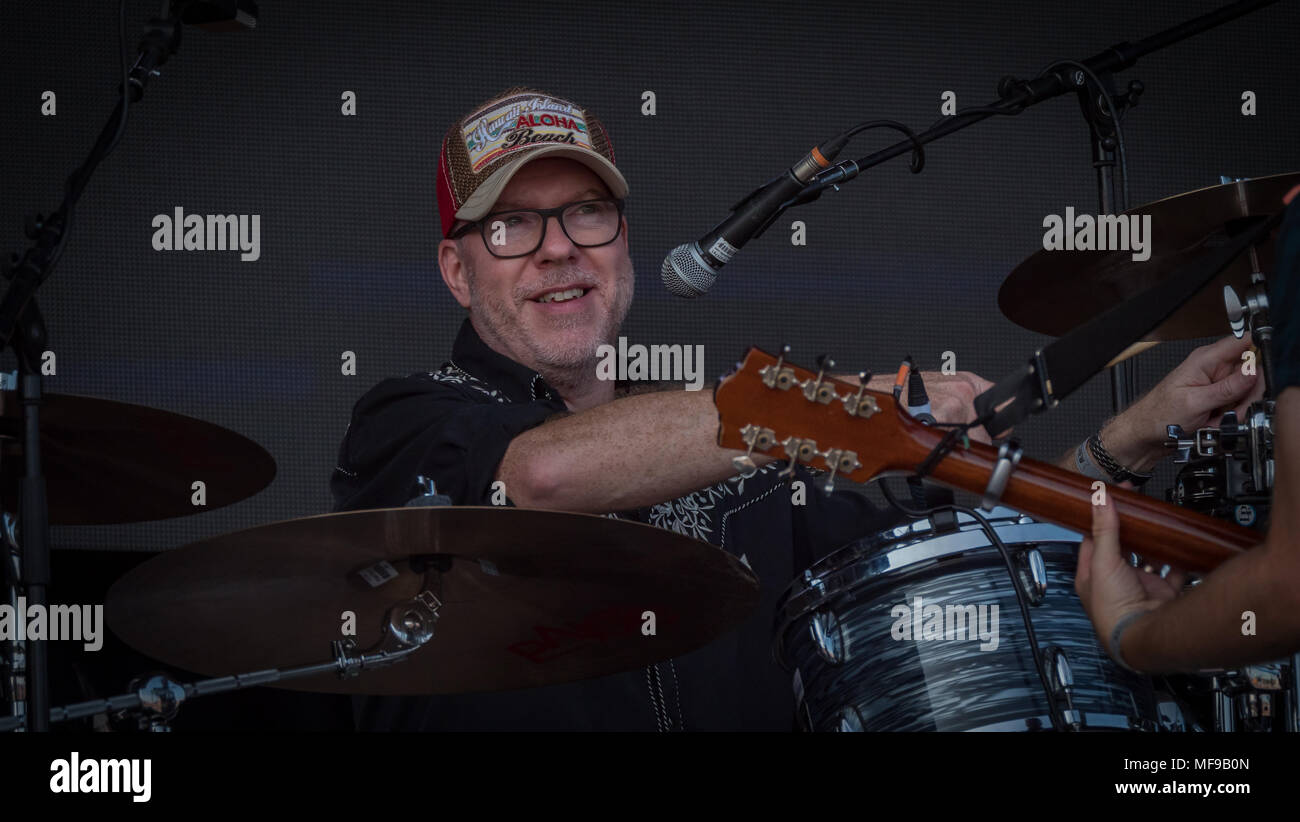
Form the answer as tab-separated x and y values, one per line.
915	629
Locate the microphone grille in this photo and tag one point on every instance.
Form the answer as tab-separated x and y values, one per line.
684	272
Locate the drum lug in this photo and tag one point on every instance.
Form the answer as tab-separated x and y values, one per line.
1060	676
827	637
850	721
1033	575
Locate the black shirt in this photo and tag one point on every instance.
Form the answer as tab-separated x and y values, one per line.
454	425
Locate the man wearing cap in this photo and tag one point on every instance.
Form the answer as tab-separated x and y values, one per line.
536	249
531	205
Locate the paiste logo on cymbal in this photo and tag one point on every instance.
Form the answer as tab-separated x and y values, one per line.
520	122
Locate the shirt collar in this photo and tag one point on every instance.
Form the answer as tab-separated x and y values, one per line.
517	382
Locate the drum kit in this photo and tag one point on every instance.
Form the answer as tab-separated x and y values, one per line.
438	599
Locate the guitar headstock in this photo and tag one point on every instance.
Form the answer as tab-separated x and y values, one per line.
771	406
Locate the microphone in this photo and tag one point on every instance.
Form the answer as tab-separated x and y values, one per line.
691	269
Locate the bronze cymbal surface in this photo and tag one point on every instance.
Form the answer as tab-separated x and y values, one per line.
1053	292
108	462
528	598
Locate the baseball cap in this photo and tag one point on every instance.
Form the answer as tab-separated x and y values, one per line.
484	149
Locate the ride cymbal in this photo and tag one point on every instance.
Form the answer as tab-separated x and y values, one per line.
527	598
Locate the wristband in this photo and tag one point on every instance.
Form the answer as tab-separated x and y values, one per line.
1117	635
1111	466
1083	462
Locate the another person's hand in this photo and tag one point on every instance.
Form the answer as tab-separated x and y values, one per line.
1109	587
952	396
1194	395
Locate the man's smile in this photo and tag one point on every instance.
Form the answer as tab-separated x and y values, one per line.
564	299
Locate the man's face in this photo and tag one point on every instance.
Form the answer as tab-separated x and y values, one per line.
504	296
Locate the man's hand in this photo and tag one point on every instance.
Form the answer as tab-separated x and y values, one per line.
1108	585
1197	393
952	396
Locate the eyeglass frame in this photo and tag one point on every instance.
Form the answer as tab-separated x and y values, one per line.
546	214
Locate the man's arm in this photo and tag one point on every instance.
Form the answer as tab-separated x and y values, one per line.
645	449
1202	628
628	453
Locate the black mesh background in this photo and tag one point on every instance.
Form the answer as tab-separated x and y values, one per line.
895	263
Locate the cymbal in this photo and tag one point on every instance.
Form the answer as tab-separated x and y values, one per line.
109	462
1053	292
530	597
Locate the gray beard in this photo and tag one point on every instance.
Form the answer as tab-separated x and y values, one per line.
566	368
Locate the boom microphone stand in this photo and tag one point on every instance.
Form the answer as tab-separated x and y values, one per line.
22	327
1092	80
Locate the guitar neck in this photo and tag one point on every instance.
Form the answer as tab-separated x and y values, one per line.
1157	530
774	407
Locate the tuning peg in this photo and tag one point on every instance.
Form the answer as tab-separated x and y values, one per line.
798	450
860	405
839	461
818	390
754	437
778	376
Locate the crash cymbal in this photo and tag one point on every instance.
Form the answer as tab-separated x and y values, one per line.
111	462
1053	292
528	597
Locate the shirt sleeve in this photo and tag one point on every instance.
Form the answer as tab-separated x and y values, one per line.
405	428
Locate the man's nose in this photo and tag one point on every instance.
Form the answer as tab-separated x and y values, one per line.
556	245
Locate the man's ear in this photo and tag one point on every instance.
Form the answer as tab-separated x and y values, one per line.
454	271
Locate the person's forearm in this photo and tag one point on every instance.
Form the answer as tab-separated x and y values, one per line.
1210	625
624	454
1204	627
1133	447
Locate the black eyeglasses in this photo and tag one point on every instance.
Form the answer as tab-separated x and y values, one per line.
519	232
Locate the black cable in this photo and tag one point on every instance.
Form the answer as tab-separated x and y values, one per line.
969	110
918	152
991	533
77	182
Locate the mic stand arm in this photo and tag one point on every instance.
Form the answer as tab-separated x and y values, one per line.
1017	95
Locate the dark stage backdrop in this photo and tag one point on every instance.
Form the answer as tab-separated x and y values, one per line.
895	263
